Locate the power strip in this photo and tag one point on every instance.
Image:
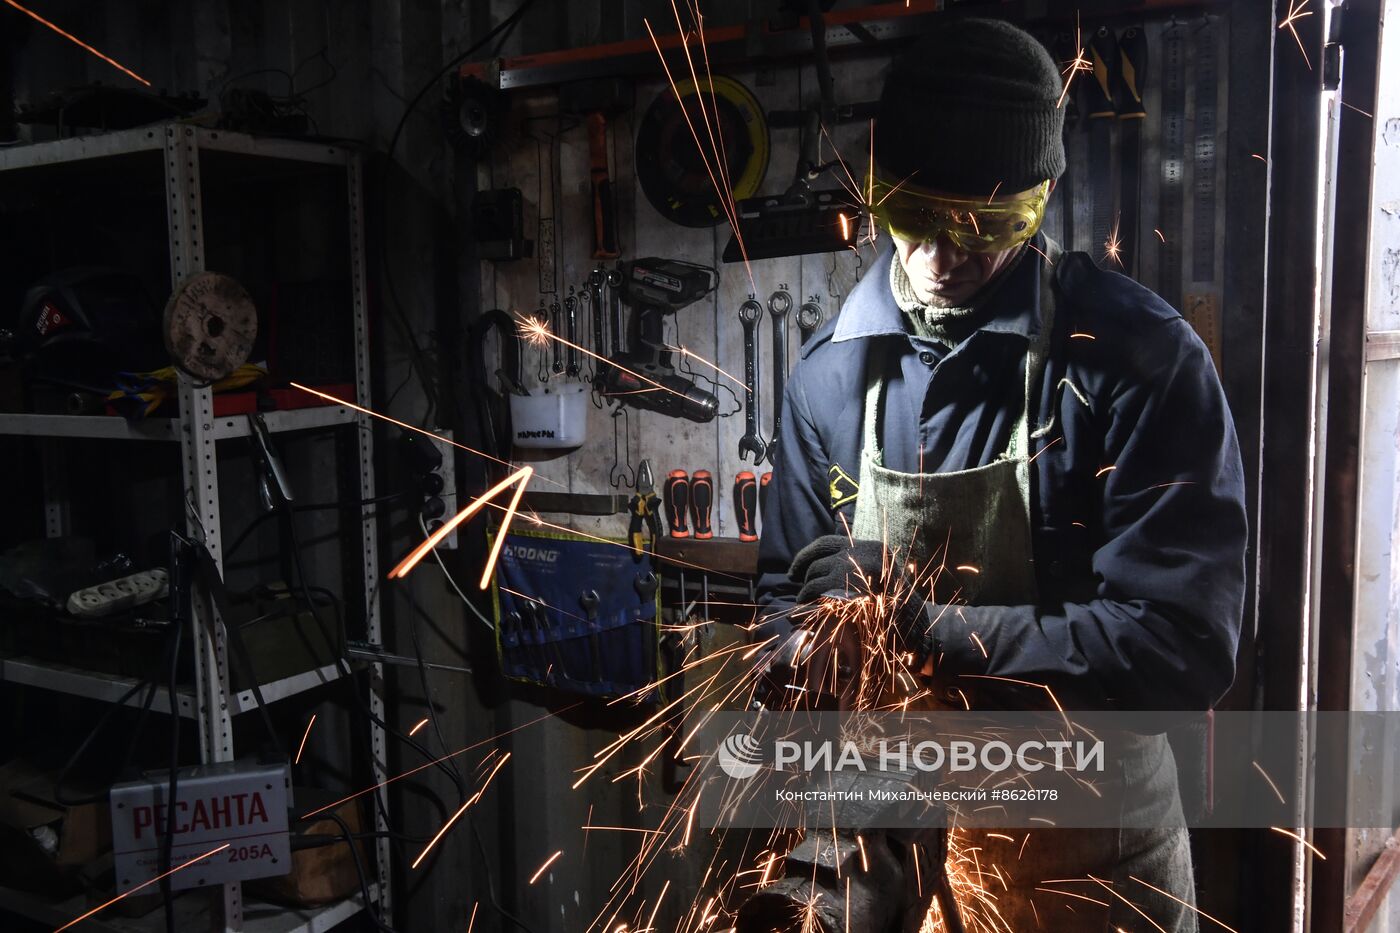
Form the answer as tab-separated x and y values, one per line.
105	598
449	489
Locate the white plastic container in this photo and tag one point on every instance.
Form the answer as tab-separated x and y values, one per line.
551	418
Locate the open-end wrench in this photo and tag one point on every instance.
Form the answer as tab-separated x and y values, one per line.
555	315
571	332
751	443
589	601
809	317
779	306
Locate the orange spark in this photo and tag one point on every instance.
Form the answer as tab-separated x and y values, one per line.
725	196
437	761
980	647
414	731
1180	901
1107	469
1292	835
410	427
417	554
1113	246
144	884
1081	897
1357	109
1083	336
845	226
1255	155
1295	13
534	330
1044	449
472	922
1135	907
78	42
969	568
460	810
1075	65
548	862
312	722
687	352
1160	235
1272	786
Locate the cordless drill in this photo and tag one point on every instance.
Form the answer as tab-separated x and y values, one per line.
643	376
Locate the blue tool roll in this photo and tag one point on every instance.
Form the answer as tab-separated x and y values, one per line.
545	631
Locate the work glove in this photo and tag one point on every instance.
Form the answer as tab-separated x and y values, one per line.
835	565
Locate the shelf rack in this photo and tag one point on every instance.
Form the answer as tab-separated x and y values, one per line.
168	155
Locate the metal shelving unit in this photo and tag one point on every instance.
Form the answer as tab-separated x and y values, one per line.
174	150
259	917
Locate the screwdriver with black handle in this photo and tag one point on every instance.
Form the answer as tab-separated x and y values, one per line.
676	493
746	505
702	500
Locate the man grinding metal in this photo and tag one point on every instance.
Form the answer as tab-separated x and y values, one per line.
988	401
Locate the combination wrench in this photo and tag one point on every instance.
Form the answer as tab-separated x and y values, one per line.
809	317
571	332
555	314
614	280
595	310
751	443
779	306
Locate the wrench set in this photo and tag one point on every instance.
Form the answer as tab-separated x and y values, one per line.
779	307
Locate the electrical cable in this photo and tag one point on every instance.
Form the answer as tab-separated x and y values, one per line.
429	390
453	583
308	507
490	880
427	692
372	907
112	709
168	837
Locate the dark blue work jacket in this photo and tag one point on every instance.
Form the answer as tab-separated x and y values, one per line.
1137	492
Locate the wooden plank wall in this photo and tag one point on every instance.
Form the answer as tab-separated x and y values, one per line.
547	159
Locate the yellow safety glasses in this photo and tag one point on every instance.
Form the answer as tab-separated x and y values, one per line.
980	225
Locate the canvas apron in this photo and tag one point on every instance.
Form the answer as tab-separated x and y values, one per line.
981	517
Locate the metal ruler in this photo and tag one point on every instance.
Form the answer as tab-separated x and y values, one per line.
1203	245
1173	162
1203	314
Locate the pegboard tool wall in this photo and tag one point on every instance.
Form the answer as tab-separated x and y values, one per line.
1180	227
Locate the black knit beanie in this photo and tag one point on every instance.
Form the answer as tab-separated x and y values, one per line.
971	108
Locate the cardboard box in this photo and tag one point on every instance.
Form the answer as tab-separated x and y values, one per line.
43	841
325	873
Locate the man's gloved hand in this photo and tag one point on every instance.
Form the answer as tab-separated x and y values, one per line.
834	564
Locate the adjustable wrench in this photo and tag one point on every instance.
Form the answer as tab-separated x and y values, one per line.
571	332
554	316
779	305
809	317
751	443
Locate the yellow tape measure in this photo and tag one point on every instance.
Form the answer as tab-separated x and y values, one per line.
1203	313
